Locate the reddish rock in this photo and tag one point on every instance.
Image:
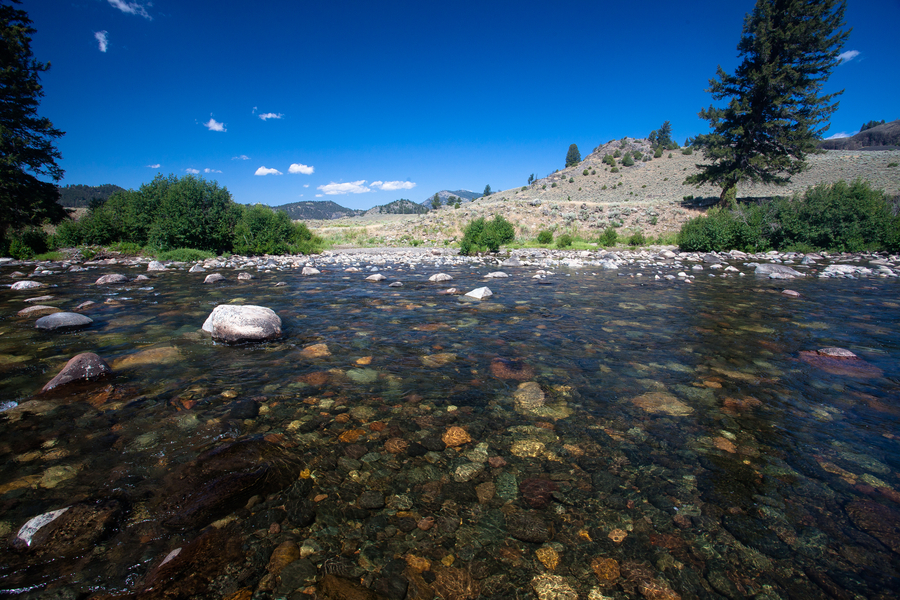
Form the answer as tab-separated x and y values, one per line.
834	362
537	492
504	368
84	367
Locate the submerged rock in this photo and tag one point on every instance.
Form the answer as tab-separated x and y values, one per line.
84	367
111	278
69	531
240	323
37	310
661	402
773	269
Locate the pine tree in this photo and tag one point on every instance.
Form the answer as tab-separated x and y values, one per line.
27	148
487	190
573	157
775	110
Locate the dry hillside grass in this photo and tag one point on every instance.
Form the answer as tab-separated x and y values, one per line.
647	197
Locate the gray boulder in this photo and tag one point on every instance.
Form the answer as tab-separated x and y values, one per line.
242	323
84	367
111	278
439	277
213	278
773	269
27	285
62	321
155	265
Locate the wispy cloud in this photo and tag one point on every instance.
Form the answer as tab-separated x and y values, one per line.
266	171
841	134
214	125
847	56
192	171
337	189
156	166
267	116
305	185
241	157
301	168
132	8
390	186
102	38
208	170
318	195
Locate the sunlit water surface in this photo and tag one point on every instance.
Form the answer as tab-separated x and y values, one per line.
628	437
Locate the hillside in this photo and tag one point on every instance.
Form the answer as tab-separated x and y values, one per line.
445	195
80	196
398	207
877	137
649	197
317	209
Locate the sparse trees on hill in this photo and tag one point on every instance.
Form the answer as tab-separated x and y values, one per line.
436	201
870	125
662	137
774	109
573	156
27	149
531	179
487	190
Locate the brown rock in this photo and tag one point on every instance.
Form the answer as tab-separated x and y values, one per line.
38	310
606	570
661	402
286	553
504	368
333	587
529	396
396	446
878	521
315	351
151	356
548	557
835	362
485	491
456	436
84	367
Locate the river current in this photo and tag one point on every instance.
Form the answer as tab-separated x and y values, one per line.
589	434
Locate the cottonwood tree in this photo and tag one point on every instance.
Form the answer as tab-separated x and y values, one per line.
774	107
27	149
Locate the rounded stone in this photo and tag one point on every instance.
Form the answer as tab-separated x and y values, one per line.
111	278
214	278
61	321
84	367
240	323
26	285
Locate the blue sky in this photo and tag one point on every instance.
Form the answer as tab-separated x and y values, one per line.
366	102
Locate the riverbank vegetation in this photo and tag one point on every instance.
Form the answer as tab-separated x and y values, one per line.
838	217
173	214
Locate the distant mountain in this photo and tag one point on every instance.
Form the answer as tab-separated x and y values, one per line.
80	196
399	207
444	195
317	210
880	135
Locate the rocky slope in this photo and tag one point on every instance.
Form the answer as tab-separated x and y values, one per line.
648	197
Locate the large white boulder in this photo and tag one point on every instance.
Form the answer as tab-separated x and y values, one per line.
237	323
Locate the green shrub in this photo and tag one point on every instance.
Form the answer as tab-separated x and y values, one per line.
571	180
608	159
654	220
25	243
553	184
609	237
658	153
670	155
614	170
604	187
637	239
564	241
627	161
586	172
126	248
687	151
544	187
185	255
50	256
617	153
545	237
480	235
637	154
893	164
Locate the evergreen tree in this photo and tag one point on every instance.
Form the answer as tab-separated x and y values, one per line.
573	156
774	109
870	125
27	148
664	135
436	201
487	190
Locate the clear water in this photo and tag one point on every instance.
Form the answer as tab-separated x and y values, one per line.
675	429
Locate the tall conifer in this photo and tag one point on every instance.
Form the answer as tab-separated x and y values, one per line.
774	108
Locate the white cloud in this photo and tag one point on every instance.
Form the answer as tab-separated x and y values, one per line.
318	195
847	56
102	38
208	170
305	185
156	166
132	8
301	168
840	135
241	157
192	171
353	187
390	186
265	171
267	116
214	125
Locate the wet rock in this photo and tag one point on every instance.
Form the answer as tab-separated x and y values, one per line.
26	285
155	265
480	293
753	533
310	271
878	521
315	351
553	587
496	275
371	500
455	584
662	402
529	396
512	261
214	278
83	367
504	368
528	527
537	492
63	321
239	323
439	277
286	553
455	436
332	587
244	409
376	277
38	310
838	361
110	279
774	269
70	531
224	479
606	570
396	284
433	361
790	293
197	269
244	276
836	352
